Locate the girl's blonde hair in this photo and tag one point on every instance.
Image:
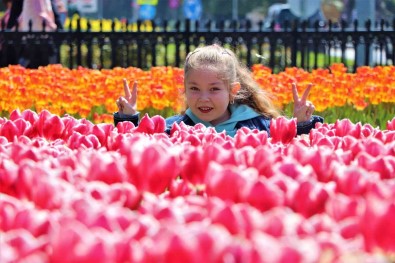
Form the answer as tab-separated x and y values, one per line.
230	70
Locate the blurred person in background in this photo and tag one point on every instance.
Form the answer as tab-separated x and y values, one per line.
4	19
22	13
60	13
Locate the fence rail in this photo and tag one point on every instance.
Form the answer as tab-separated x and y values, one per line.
295	44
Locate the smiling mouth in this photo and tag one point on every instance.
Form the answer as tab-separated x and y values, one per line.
205	109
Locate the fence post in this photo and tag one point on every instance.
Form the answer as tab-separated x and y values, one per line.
294	46
79	53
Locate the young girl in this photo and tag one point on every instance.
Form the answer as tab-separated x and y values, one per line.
221	93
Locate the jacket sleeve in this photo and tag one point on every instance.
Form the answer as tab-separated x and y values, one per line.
119	117
306	126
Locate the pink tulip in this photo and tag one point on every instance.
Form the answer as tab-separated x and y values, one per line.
226	182
374	147
155	124
106	169
262	195
15	114
391	125
125	127
69	123
384	165
271	249
246	137
30	116
377	225
40	123
175	129
77	140
22	125
3	140
21	246
151	168
53	128
227	217
389	137
75	243
282	130
173	246
309	199
346	127
102	132
192	139
126	194
83	127
8	177
350	228
9	130
368	130
180	187
340	207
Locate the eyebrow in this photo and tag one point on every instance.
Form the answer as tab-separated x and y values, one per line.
212	83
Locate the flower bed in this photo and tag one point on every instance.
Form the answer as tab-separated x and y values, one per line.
367	96
75	191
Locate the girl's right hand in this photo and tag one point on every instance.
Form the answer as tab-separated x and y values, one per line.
127	105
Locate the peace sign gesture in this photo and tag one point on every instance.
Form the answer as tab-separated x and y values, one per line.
127	105
303	109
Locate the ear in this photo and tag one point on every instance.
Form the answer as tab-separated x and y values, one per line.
235	88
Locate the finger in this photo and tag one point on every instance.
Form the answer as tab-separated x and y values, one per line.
295	92
306	92
310	110
126	89
119	104
123	101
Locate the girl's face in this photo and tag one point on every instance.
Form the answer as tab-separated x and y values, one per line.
207	96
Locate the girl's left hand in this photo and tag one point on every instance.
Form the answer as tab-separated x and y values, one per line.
303	109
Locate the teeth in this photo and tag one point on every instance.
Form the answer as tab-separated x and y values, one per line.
202	108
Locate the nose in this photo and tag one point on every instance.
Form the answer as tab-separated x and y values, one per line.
204	96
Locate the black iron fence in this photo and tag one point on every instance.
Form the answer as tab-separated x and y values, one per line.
147	44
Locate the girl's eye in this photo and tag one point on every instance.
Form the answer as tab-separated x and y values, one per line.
215	89
194	88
